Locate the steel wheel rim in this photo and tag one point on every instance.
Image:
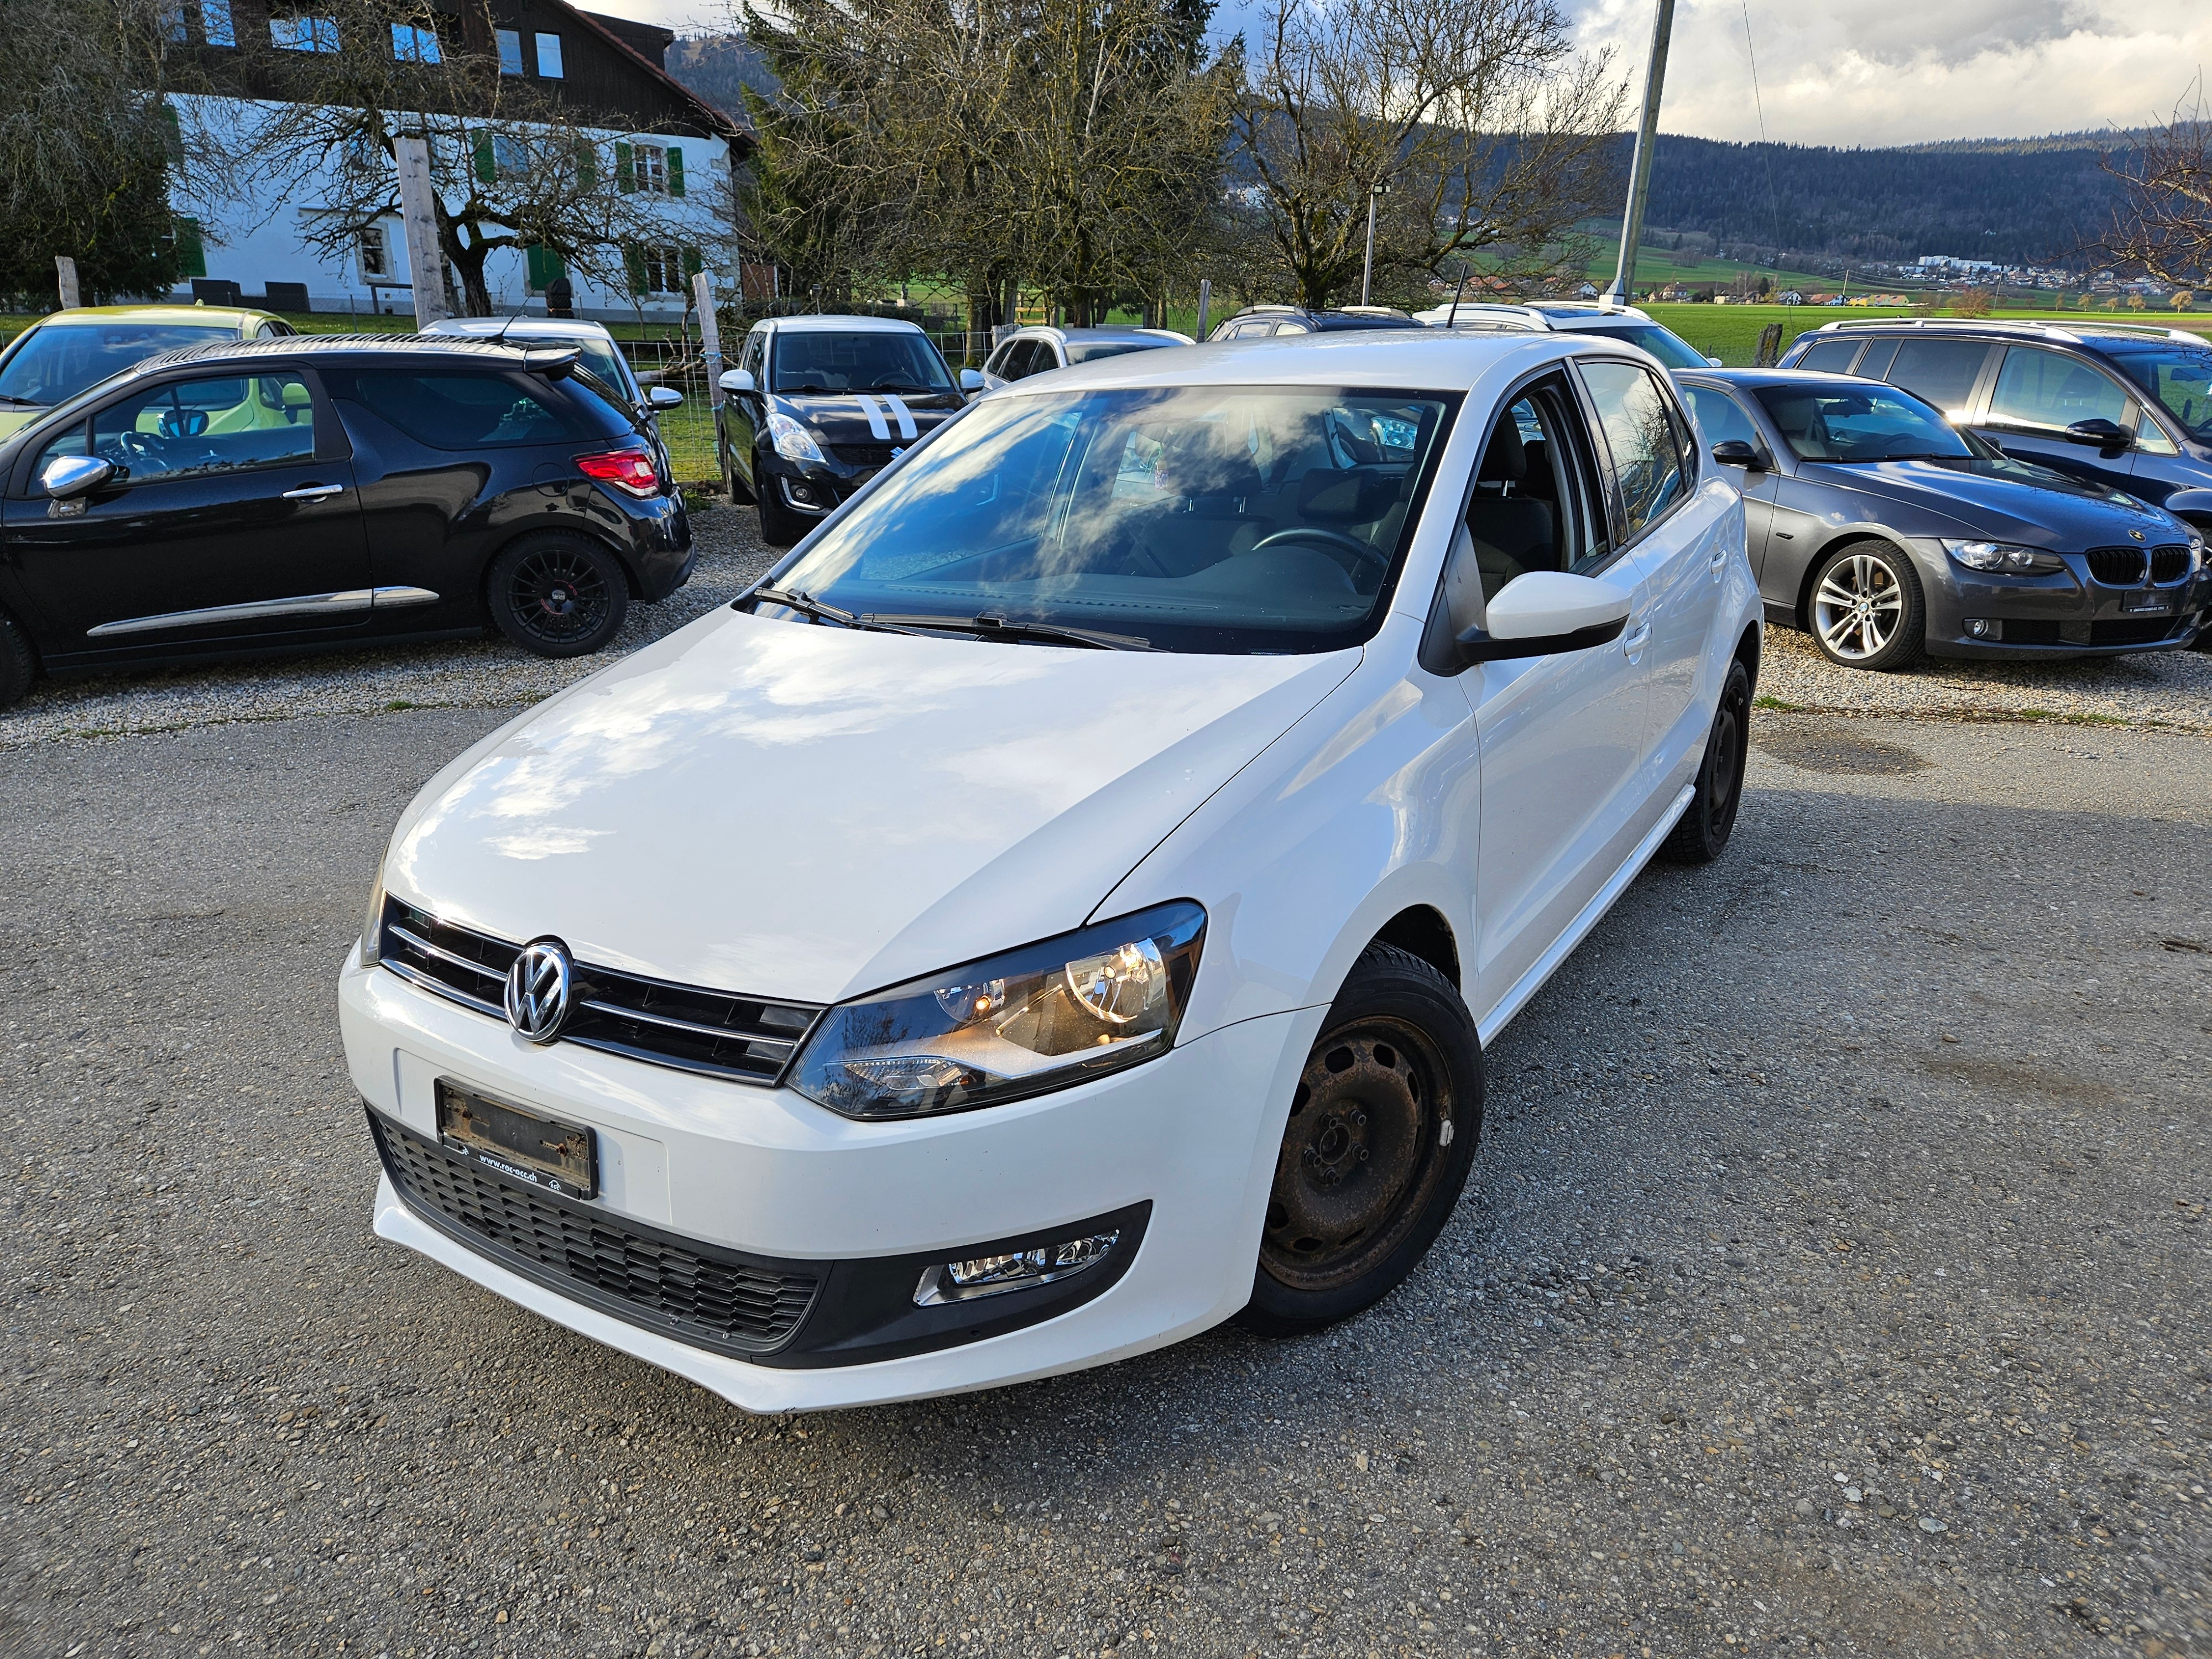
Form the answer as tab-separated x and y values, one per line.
558	596
1726	777
1859	607
1360	1155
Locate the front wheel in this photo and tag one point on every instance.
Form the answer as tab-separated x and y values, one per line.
1867	611
781	526
557	595
1703	830
1381	1133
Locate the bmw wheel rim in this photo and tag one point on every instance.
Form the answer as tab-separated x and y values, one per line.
1859	607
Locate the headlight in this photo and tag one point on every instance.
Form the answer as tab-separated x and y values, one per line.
1040	1018
2003	555
793	441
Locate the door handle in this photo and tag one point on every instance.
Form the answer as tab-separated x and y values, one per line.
314	492
1635	640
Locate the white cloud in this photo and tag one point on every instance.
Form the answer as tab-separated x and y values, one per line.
1882	72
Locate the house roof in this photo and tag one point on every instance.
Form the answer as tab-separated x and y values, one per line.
618	33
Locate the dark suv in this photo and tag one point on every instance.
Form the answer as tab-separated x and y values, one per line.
2125	405
303	493
1264	322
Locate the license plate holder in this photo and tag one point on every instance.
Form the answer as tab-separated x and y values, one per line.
517	1143
2147	601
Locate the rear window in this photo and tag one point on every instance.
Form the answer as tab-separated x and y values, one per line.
1090	351
446	410
1830	357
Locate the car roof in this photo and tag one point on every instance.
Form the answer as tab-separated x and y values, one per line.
2085	332
1752	378
833	324
296	346
522	328
1101	332
239	317
1414	358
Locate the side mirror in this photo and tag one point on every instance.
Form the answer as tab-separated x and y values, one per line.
2100	432
737	380
1734	452
1712	362
1546	611
663	397
71	476
971	380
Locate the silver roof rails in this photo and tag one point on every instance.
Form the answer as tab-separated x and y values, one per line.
2046	331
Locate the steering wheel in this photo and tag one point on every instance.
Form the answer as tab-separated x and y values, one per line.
1314	532
143	451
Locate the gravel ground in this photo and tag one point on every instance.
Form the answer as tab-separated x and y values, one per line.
489	673
2166	688
1831	1278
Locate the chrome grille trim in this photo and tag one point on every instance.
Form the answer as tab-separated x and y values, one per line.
706	1032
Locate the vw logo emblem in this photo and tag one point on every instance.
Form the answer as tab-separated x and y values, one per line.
537	988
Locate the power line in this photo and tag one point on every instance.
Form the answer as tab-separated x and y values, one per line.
1773	200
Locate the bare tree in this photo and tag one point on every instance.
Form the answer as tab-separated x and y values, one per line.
2162	228
514	164
1490	135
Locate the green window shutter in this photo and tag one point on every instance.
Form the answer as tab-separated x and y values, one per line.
172	133
535	260
693	264
634	263
487	160
192	252
625	168
675	171
587	167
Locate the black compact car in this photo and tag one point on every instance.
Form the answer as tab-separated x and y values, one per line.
1265	322
818	406
1885	533
303	493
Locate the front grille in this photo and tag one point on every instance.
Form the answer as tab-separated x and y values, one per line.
696	1292
2116	567
863	456
2168	564
715	1033
2147	631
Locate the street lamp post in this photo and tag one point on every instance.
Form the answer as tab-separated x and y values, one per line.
1376	193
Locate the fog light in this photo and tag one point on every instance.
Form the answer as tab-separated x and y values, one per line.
987	1275
1982	628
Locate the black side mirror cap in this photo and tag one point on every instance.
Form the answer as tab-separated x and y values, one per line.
2108	435
1474	646
1734	452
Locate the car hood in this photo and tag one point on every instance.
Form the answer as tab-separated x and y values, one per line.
870	417
2005	500
14	420
785	810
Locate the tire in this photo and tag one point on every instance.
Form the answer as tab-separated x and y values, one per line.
1865	609
780	526
1702	833
557	595
19	664
1376	1148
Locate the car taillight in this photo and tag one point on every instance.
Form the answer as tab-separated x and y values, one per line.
630	470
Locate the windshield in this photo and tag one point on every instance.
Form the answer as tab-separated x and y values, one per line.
605	363
1848	424
61	359
1090	351
1229	520
2179	376
1668	347
874	360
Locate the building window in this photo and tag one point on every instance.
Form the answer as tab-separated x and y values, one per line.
216	24
549	56
651	163
660	267
510	51
375	249
304	34
414	43
173	22
657	169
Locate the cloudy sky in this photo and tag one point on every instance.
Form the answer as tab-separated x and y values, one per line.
1866	72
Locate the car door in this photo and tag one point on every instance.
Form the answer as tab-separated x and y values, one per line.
741	416
1723	419
2038	393
233	518
1560	737
1685	540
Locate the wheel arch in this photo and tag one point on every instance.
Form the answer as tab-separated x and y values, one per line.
1421	930
557	527
1802	609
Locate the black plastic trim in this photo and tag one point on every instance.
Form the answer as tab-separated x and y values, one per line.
1474	646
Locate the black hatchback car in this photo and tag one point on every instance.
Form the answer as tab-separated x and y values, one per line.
1885	533
314	491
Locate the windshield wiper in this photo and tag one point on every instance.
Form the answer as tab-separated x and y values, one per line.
19	403
807	605
991	626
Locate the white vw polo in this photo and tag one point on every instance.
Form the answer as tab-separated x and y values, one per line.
1065	906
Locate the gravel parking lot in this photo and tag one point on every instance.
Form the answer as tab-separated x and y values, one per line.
1831	1277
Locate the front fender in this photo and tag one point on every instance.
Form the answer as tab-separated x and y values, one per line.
2192	507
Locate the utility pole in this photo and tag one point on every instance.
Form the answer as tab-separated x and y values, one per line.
1376	193
418	213
1639	168
1205	302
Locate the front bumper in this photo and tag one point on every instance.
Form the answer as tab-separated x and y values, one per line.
1193	1136
2063	614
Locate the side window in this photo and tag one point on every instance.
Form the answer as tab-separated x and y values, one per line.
995	363
1640	432
1021	360
756	353
1830	357
67	444
1534	505
1722	418
190	428
447	410
1940	372
2050	390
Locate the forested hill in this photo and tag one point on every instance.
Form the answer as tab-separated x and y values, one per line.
2016	201
718	67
